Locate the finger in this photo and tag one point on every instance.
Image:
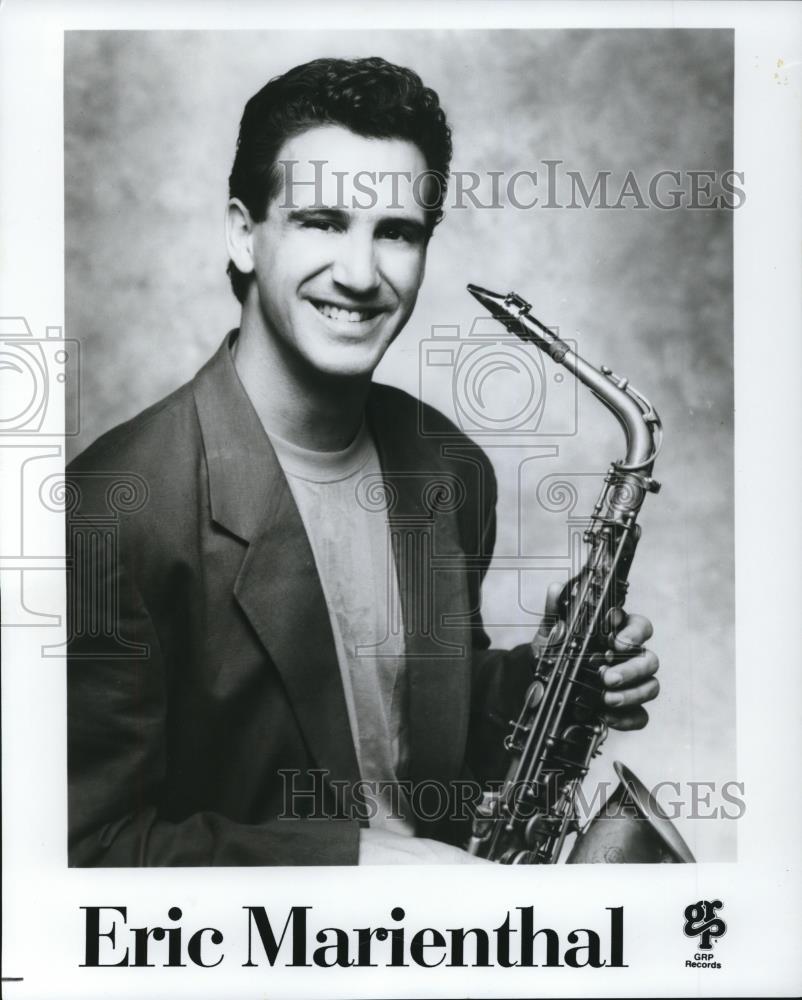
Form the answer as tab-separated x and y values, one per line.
635	631
632	696
634	670
635	718
552	610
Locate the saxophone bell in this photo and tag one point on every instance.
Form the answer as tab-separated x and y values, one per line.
630	828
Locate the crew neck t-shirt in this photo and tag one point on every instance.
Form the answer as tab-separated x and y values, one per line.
350	541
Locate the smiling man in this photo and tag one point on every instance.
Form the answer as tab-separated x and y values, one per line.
335	276
284	645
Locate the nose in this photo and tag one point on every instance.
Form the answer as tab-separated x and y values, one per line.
355	267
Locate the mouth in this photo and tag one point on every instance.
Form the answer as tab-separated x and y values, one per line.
345	316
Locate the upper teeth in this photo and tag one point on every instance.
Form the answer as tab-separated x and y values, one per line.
348	315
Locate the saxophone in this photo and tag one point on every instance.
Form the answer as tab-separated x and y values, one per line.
560	728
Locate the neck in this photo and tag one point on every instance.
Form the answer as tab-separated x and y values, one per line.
292	400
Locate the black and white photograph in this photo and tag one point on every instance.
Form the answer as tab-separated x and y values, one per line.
376	503
311	587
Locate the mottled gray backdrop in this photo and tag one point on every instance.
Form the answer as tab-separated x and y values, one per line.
150	125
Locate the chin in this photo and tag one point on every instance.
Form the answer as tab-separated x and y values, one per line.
348	370
348	360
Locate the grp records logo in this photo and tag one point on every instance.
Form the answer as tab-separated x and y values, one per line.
491	383
31	371
702	920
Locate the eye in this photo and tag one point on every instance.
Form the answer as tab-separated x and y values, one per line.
323	225
402	232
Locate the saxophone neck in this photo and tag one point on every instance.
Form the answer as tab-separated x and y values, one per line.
636	415
639	420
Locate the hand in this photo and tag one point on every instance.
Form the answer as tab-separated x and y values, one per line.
379	847
629	682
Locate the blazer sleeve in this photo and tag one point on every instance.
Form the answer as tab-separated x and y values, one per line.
117	714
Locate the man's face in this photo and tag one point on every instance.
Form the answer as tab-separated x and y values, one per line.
336	283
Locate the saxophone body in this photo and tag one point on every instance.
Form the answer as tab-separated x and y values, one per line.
560	728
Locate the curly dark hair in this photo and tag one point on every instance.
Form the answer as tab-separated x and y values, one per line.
371	97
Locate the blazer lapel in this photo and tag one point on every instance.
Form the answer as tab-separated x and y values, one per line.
424	494
278	587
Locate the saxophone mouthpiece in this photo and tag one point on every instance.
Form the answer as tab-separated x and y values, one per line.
515	313
492	301
503	307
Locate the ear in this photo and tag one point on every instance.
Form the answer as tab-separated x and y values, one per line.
239	235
